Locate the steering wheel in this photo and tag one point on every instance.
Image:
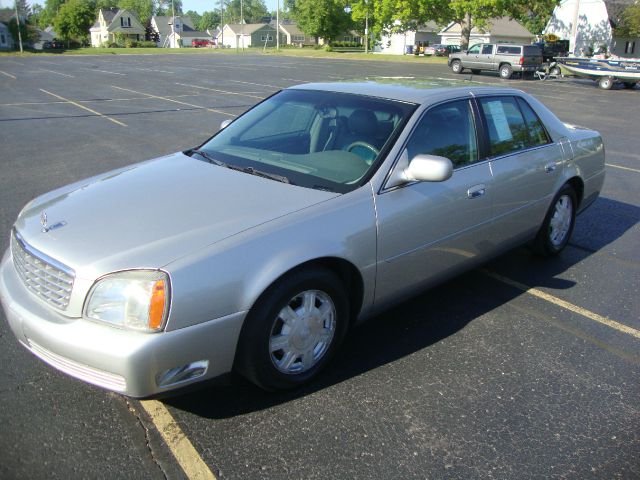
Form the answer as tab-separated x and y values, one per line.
366	145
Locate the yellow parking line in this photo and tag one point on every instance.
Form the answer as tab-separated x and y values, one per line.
176	101
8	75
84	108
220	91
566	305
180	446
622	168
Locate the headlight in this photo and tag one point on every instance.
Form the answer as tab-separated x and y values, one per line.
136	299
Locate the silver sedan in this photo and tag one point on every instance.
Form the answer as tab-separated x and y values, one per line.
317	208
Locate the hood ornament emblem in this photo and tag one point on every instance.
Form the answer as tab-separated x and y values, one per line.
45	226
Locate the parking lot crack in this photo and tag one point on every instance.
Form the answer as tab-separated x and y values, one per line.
147	438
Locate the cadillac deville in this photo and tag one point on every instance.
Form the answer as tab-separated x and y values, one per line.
256	251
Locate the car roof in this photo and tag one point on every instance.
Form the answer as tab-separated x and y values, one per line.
409	90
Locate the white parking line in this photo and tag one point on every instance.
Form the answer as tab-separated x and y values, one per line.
257	84
85	108
176	101
220	91
566	305
622	168
182	449
57	73
8	75
105	71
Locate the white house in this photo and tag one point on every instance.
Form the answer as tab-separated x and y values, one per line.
590	25
6	41
496	30
397	43
181	35
247	35
113	23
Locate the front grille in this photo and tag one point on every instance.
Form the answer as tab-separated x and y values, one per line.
47	278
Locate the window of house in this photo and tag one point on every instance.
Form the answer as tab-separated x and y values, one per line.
447	130
266	38
125	22
512	125
629	47
487	49
2	38
298	38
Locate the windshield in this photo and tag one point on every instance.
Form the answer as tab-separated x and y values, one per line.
324	140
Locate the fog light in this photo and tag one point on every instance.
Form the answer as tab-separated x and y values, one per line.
181	374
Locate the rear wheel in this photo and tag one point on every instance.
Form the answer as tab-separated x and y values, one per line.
557	227
456	66
506	71
606	83
293	330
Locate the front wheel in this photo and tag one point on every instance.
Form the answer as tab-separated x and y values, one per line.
506	71
456	66
557	227
293	330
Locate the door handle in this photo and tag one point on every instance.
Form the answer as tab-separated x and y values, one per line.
549	167
476	191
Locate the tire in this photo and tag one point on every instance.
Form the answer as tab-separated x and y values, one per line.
293	330
557	227
475	71
456	66
606	83
505	71
554	71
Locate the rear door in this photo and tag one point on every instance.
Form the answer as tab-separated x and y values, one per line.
487	58
526	166
430	230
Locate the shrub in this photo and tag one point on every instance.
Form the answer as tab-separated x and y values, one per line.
328	48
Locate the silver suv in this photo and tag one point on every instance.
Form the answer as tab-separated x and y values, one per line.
504	59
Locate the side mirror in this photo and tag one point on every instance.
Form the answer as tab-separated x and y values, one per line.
225	123
429	168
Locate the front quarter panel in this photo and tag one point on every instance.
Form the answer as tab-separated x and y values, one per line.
229	276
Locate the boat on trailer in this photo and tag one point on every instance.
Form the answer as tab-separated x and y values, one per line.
606	71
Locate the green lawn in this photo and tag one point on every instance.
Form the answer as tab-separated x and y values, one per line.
297	52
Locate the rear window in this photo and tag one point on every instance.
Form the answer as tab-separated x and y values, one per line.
509	49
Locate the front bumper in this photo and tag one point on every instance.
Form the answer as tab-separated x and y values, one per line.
127	362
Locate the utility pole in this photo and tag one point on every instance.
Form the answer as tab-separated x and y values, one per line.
18	23
242	23
221	24
278	26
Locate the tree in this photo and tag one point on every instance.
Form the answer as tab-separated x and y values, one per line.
163	7
143	9
321	18
209	20
252	11
49	12
74	20
195	17
534	15
629	25
27	32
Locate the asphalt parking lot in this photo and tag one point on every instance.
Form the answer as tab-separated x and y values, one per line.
525	368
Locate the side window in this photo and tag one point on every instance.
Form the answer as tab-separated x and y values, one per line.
537	134
447	130
487	49
475	49
512	125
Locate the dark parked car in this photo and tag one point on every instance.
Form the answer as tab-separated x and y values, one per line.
53	45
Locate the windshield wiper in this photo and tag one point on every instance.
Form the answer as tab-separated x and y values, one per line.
208	157
249	170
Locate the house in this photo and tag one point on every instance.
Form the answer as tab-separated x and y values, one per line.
46	35
397	43
590	25
294	36
6	40
181	35
113	24
248	35
496	30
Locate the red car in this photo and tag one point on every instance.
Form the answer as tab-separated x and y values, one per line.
200	43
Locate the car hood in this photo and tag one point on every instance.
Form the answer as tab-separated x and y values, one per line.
149	214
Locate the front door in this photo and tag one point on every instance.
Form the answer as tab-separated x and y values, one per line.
429	230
